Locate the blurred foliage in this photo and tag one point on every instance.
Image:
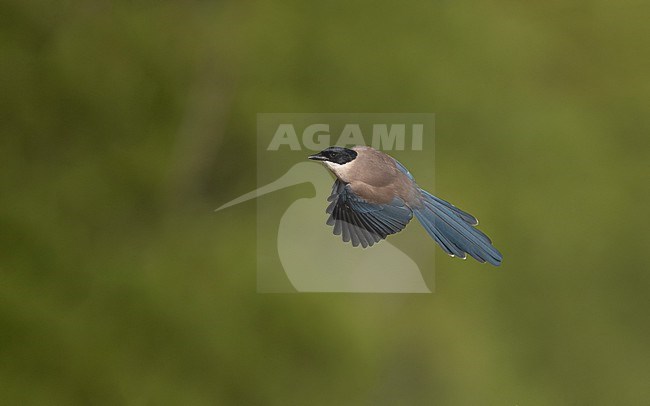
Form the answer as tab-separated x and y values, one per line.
125	123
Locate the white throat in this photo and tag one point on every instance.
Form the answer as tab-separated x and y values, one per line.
341	171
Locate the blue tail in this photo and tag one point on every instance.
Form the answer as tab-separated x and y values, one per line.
454	231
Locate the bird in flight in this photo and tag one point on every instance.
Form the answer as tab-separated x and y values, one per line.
375	196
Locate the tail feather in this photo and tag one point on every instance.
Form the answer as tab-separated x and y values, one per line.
468	218
453	230
439	236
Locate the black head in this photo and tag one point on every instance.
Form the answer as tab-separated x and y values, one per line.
337	155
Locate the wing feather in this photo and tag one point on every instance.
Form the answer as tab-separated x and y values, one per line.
361	222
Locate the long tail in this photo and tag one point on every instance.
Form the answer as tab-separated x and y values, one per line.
454	230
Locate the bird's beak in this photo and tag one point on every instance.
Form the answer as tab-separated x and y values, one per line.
317	157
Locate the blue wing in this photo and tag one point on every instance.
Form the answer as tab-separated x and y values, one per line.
362	222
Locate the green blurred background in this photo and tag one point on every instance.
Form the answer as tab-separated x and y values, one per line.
124	124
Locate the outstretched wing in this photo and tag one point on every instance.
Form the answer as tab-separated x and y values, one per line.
361	222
